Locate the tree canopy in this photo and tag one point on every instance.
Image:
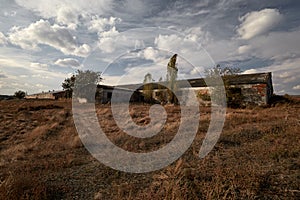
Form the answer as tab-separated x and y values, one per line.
233	95
82	78
222	71
20	94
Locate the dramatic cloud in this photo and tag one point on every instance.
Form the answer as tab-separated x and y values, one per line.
51	8
258	22
67	16
113	42
109	44
10	14
3	76
286	73
244	49
278	46
197	34
38	65
68	62
100	24
108	35
43	39
42	32
297	87
3	39
152	54
185	46
175	42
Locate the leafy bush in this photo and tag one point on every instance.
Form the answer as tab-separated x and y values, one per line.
20	94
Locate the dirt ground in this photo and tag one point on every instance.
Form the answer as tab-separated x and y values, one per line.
42	157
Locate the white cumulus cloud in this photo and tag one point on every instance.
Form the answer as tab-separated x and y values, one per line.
52	8
99	24
186	47
244	49
42	32
151	54
3	39
37	65
258	22
68	17
68	62
112	41
296	87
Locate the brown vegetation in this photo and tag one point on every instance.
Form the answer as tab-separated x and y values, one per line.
41	155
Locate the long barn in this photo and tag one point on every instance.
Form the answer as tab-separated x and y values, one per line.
252	89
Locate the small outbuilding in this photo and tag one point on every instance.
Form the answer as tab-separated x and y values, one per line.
254	89
47	95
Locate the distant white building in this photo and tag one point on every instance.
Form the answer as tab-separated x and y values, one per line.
47	95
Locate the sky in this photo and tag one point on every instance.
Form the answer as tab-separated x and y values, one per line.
44	42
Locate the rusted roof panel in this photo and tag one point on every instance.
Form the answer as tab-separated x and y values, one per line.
257	78
248	78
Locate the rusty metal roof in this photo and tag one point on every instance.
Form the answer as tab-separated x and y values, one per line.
239	79
248	78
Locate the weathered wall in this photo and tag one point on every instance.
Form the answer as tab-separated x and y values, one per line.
103	95
254	94
41	96
47	95
251	94
60	95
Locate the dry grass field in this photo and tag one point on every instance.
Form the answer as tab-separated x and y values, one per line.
42	157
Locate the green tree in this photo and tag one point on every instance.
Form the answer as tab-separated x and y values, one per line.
68	86
83	79
148	87
87	77
86	82
172	71
20	94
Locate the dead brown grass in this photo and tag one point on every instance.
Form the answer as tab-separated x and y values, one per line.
42	157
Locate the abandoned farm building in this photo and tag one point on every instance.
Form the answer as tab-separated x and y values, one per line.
253	89
47	95
104	94
248	89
